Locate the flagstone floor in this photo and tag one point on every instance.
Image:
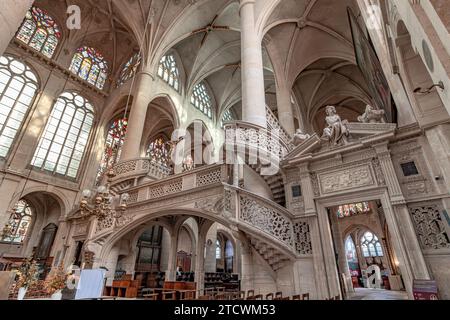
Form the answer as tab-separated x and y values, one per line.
376	294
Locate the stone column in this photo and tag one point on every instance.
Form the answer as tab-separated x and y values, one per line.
253	91
439	140
138	113
247	277
285	113
172	264
12	13
200	262
401	227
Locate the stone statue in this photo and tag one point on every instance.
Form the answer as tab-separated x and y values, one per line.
372	115
188	163
299	138
337	132
172	145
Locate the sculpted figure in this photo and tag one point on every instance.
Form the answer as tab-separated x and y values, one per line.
372	115
188	163
337	132
299	137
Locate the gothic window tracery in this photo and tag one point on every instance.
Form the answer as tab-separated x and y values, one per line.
18	87
370	245
113	146
169	72
40	32
89	65
65	138
19	223
350	210
202	100
227	117
129	69
158	152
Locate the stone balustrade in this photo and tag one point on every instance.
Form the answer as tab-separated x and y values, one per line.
139	168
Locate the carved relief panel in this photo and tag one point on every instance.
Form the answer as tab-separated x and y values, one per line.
350	178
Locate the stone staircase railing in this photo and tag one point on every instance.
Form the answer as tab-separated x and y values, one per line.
273	123
140	167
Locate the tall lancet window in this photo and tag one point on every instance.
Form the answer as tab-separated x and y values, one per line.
129	69
371	246
201	99
40	32
19	223
89	65
61	147
18	87
113	146
168	71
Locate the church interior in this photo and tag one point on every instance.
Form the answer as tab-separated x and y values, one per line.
225	149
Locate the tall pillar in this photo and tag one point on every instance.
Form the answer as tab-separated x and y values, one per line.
400	225
138	113
285	112
12	13
439	140
200	262
253	91
172	264
247	276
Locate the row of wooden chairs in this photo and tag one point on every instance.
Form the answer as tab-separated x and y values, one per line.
334	298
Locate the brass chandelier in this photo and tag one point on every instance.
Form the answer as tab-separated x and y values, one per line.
104	203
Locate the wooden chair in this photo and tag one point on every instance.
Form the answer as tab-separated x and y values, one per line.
187	295
279	295
251	298
250	293
286	298
337	298
169	295
305	296
204	298
242	295
221	296
151	296
297	297
269	296
220	290
209	292
259	297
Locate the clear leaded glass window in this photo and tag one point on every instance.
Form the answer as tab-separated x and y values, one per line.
129	69
61	147
349	210
113	146
18	86
19	223
40	32
158	152
168	71
90	65
202	100
227	117
371	246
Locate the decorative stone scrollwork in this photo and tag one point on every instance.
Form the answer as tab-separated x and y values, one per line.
302	238
123	221
266	219
212	205
105	224
372	115
315	184
430	227
125	167
170	187
133	197
355	177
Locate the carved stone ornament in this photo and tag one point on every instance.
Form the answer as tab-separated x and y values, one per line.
372	115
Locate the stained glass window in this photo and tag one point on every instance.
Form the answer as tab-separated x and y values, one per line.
227	117
90	65
158	152
19	223
113	147
40	32
371	246
168	71
350	250
202	100
66	136
129	69
349	210
18	86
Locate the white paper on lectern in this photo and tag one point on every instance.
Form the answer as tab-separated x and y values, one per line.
91	284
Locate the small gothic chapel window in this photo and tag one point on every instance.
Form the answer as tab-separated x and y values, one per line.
158	152
65	138
18	86
168	71
371	246
349	210
19	223
90	65
40	32
227	117
113	147
129	69
202	100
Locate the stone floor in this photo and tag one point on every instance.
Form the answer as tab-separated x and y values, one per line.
376	294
